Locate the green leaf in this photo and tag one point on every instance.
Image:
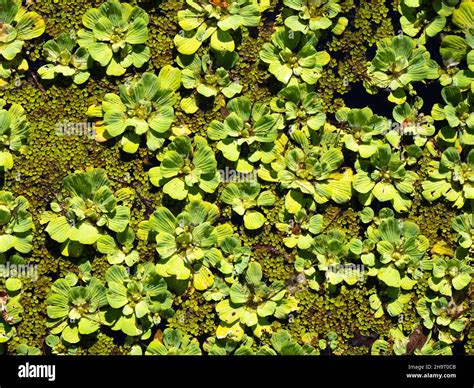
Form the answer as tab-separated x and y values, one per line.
384	191
463	17
87	326
13	284
266	198
29	25
176	189
254	220
203	279
254	273
461	281
137	32
71	334
222	41
85	233
101	53
390	276
118	221
395	308
58	229
169	78
231	22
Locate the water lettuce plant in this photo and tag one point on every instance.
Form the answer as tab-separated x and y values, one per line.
300	107
14	129
462	18
313	15
384	177
451	177
248	128
231	260
316	172
400	344
65	59
464	226
413	125
145	107
184	242
173	342
398	63
281	343
225	346
292	56
455	50
214	20
442	313
458	113
59	346
89	211
186	168
299	228
209	77
16	224
76	310
11	310
17	26
398	260
362	130
423	19
332	255
252	303
399	243
246	196
25	350
140	299
119	250
115	36
450	274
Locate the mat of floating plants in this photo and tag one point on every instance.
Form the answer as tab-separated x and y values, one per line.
223	177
